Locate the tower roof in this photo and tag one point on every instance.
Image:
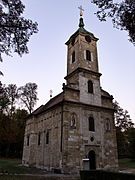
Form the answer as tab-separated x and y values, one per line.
81	30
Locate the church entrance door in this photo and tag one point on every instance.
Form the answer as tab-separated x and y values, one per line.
92	160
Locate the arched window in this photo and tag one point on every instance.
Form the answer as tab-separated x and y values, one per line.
47	137
73	57
39	138
90	86
28	140
88	55
108	125
73	121
91	124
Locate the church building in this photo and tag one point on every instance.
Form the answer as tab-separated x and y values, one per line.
77	125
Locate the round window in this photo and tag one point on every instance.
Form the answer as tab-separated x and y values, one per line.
88	38
92	139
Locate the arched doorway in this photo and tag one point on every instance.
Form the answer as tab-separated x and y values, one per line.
92	160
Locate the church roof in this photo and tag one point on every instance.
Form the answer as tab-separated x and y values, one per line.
106	94
59	99
81	30
52	102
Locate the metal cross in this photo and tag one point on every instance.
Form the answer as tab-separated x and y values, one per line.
81	10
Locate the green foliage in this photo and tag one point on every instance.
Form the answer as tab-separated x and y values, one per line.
13	118
125	133
122	118
15	30
4	128
122	14
12	133
11	93
3	98
11	97
8	165
130	134
28	95
126	163
13	166
122	145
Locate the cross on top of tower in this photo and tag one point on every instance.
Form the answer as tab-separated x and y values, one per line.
81	10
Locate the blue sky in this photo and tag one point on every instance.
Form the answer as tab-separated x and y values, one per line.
46	62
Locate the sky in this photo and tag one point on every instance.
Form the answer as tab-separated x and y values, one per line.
45	64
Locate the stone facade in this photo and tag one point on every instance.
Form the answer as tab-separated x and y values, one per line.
78	123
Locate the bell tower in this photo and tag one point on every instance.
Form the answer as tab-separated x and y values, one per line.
82	65
82	50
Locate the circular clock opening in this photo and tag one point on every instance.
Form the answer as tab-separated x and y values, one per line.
88	38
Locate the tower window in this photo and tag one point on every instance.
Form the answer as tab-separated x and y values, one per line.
91	124
47	137
28	140
73	57
88	55
90	86
108	125
39	138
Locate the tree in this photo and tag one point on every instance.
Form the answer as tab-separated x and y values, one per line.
4	134
124	127
8	98
122	144
15	30
28	95
11	92
122	118
122	14
131	141
12	133
11	96
19	120
13	118
4	101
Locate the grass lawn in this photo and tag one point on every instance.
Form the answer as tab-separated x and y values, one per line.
13	166
13	170
22	178
127	163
